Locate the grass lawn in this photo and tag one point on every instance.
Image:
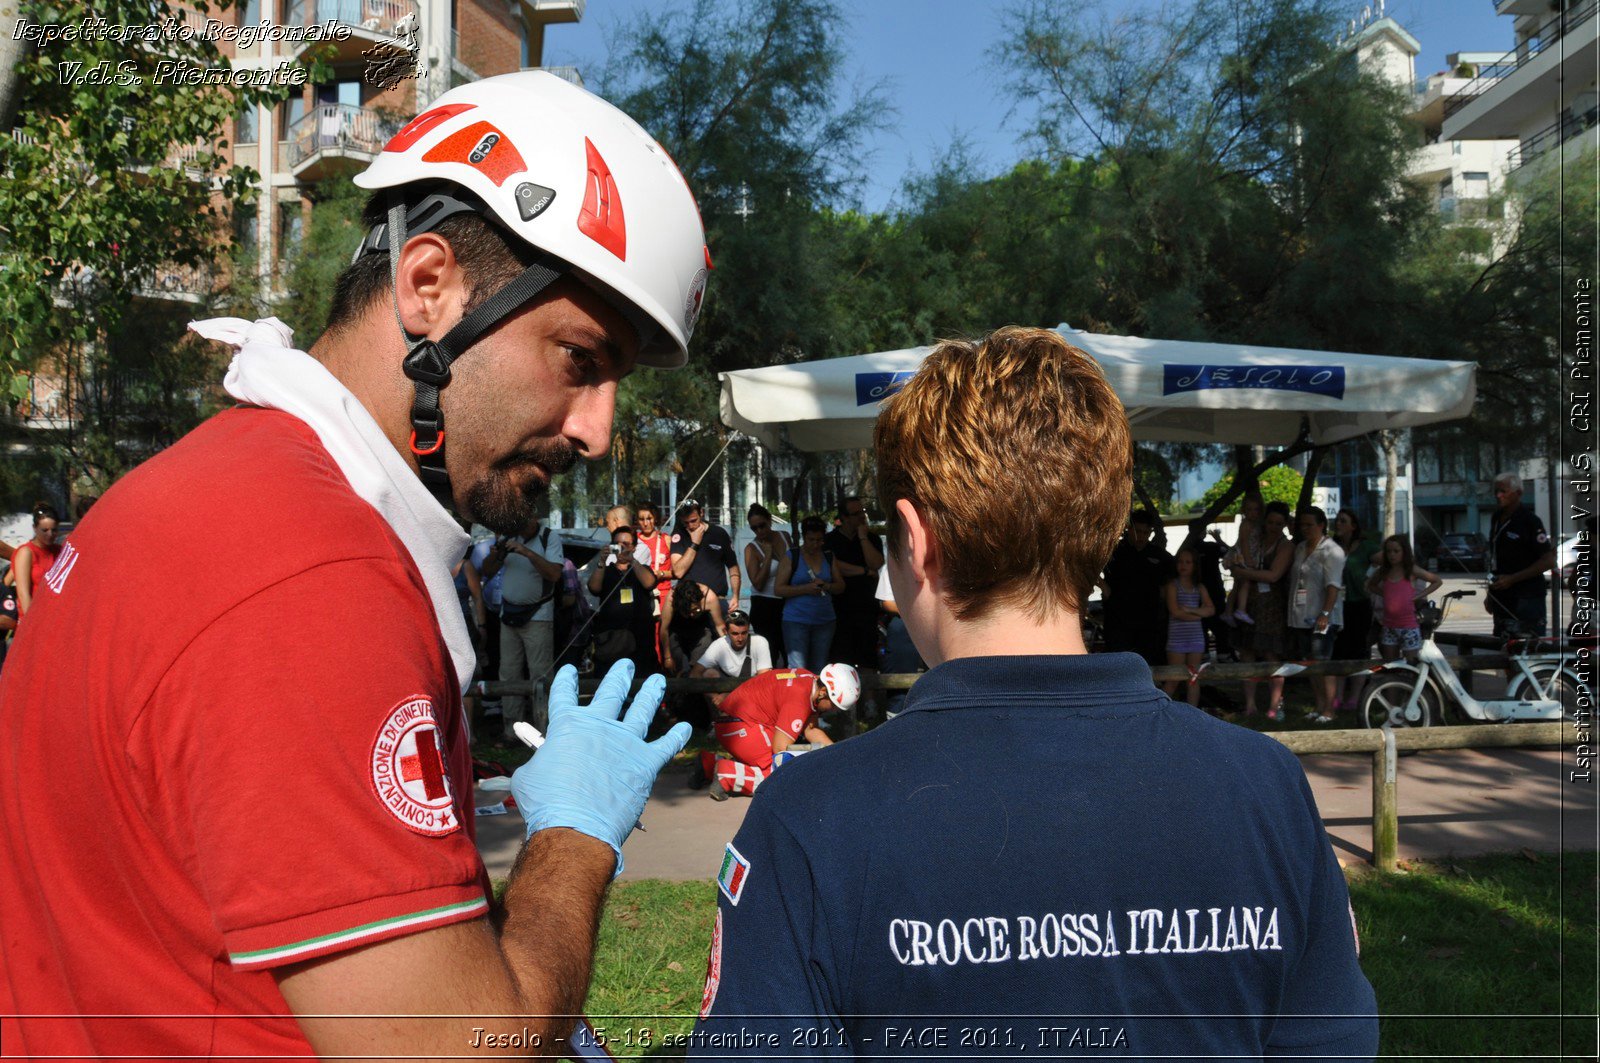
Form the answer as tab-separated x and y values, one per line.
1477	957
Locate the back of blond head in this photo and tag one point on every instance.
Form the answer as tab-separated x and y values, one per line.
1017	454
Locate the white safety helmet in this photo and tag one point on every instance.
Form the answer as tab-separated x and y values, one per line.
570	174
842	683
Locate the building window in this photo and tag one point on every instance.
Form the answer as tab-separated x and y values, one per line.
1427	463
245	217
245	130
291	225
293	109
250	13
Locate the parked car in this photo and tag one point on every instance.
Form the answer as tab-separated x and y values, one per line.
1465	551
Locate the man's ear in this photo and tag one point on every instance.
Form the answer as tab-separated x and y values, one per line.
429	286
922	551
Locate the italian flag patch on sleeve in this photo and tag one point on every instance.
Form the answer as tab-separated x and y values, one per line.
735	870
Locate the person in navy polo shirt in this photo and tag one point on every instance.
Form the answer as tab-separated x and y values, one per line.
1043	854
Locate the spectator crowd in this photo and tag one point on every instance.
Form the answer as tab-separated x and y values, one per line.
666	595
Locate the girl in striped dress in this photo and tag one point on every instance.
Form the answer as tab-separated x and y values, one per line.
1187	605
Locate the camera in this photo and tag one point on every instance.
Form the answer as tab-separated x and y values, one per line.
614	549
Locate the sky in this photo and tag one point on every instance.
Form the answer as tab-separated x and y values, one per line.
933	59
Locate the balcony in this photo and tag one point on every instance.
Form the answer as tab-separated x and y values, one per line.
47	406
1432	164
1552	136
333	131
371	21
1520	7
552	12
565	73
538	14
1524	79
175	283
1456	210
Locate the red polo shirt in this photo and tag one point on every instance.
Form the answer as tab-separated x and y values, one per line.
779	699
232	739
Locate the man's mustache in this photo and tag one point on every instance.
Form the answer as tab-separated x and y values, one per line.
556	457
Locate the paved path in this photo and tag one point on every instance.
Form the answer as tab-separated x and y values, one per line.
1452	803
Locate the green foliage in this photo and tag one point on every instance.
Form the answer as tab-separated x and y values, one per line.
324	251
1236	178
1154	476
105	189
1278	484
744	97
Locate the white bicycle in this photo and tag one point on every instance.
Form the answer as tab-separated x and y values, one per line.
1544	685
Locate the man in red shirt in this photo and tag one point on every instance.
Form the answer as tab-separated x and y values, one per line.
237	821
764	716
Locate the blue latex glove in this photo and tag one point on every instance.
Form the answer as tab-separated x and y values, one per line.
594	771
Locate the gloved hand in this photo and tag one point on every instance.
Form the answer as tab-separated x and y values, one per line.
594	771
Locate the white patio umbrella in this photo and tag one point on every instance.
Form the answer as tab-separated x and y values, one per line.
1173	390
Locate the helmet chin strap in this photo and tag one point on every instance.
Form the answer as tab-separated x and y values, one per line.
427	362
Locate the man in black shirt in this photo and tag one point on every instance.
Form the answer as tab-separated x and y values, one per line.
1520	554
859	555
704	553
1136	616
624	622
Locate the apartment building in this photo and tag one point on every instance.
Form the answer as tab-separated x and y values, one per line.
1541	93
1534	106
1461	175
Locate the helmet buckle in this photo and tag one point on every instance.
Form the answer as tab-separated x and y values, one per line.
428	364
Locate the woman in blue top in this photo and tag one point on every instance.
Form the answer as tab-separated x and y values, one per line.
807	580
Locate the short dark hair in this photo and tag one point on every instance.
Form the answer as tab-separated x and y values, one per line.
845	501
647	507
487	258
1280	508
813	523
1143	516
1316	513
620	529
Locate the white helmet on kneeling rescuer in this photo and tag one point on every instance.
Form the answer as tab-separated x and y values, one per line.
564	173
842	683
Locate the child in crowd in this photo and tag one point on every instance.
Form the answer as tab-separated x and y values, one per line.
1246	553
1187	604
1394	582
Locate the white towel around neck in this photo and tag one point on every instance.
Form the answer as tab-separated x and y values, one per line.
267	371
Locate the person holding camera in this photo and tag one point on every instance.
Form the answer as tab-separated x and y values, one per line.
624	621
530	570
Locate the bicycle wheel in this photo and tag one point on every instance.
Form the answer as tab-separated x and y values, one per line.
1555	681
1387	695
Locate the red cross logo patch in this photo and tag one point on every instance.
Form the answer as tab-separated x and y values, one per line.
408	769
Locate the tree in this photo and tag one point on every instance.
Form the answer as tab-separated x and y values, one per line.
745	98
1277	484
1242	177
114	179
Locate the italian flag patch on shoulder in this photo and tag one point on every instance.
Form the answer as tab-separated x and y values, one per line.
735	870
